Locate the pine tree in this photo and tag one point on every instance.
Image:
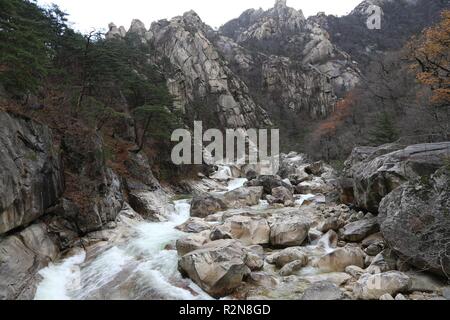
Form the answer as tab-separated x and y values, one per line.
157	121
384	130
26	35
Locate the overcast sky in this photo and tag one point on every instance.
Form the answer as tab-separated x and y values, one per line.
87	14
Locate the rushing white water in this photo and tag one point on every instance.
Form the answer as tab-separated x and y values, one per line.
59	278
138	269
145	265
236	183
303	198
223	173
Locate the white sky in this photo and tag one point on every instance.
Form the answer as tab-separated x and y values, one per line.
87	14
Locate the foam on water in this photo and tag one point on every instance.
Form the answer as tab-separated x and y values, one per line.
101	271
153	268
58	278
223	173
303	198
236	183
143	267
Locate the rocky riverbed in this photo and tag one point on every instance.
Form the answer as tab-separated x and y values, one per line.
261	237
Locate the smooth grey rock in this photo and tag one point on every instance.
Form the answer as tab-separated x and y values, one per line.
21	256
194	225
292	267
205	205
341	258
372	287
288	231
249	230
190	243
30	170
243	197
218	267
376	172
414	221
281	258
281	195
359	230
323	291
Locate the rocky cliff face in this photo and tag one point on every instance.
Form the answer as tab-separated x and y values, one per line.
94	196
274	61
31	181
31	171
400	20
283	31
199	77
415	223
376	172
40	214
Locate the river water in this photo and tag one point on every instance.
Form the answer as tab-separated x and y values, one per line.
140	267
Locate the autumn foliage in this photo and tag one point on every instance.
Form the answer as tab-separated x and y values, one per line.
431	59
341	112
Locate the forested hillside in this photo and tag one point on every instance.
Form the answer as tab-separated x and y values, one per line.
404	97
70	80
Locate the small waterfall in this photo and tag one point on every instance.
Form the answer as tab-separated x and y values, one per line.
143	265
236	183
141	268
223	173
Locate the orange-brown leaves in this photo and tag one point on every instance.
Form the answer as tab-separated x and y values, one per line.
431	54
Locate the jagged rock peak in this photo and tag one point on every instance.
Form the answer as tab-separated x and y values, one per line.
137	26
191	14
191	18
361	9
282	9
280	4
260	24
114	32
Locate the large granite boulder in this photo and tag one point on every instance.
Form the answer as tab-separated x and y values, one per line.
152	205
415	222
205	205
359	230
243	197
31	172
218	267
288	255
373	287
191	243
92	185
21	256
194	225
376	172
341	258
281	195
269	183
288	231
249	230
